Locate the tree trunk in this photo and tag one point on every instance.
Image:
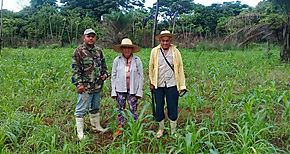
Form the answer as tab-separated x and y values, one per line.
155	24
50	26
61	40
143	34
71	32
1	28
174	22
77	30
133	28
285	52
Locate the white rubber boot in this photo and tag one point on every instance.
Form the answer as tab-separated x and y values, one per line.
95	122
80	128
173	125
161	129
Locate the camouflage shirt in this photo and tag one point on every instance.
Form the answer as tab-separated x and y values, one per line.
88	65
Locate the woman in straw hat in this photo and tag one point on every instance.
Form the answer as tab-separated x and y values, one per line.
127	79
167	79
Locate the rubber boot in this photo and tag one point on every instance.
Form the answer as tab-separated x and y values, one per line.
161	129
173	125
80	128
95	122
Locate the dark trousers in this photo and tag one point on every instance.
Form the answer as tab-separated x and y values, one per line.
171	95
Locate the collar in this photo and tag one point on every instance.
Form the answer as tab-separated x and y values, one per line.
171	46
88	48
122	56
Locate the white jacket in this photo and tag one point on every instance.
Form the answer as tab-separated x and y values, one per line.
118	79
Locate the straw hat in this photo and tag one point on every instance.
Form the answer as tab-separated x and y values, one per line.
163	34
126	43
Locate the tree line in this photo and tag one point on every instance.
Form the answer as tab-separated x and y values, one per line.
45	22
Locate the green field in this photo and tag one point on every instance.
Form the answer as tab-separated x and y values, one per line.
238	102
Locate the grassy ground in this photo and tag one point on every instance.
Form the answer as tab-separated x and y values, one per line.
238	102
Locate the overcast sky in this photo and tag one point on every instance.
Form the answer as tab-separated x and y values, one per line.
16	5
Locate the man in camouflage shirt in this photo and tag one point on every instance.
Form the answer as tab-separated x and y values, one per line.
89	74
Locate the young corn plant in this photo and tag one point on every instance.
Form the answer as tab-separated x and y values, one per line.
238	102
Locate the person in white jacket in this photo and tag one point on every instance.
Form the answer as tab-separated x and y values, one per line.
127	80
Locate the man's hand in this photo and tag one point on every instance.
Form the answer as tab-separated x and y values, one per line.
80	88
103	77
114	97
151	87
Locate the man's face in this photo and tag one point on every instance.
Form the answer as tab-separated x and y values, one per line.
90	39
165	42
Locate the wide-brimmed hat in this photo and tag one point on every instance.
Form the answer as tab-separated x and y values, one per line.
163	34
126	43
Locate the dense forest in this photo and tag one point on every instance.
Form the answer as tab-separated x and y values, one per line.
46	22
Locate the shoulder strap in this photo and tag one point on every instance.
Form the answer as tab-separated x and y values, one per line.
166	60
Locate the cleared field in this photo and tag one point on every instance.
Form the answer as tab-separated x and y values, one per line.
238	102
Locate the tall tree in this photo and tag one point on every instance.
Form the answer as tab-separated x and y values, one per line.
170	9
285	52
130	4
1	23
39	3
264	23
208	21
97	8
140	21
91	8
116	26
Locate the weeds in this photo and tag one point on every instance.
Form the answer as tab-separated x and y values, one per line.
238	102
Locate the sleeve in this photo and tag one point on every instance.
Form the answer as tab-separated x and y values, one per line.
104	69
151	67
113	78
141	78
76	68
181	73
